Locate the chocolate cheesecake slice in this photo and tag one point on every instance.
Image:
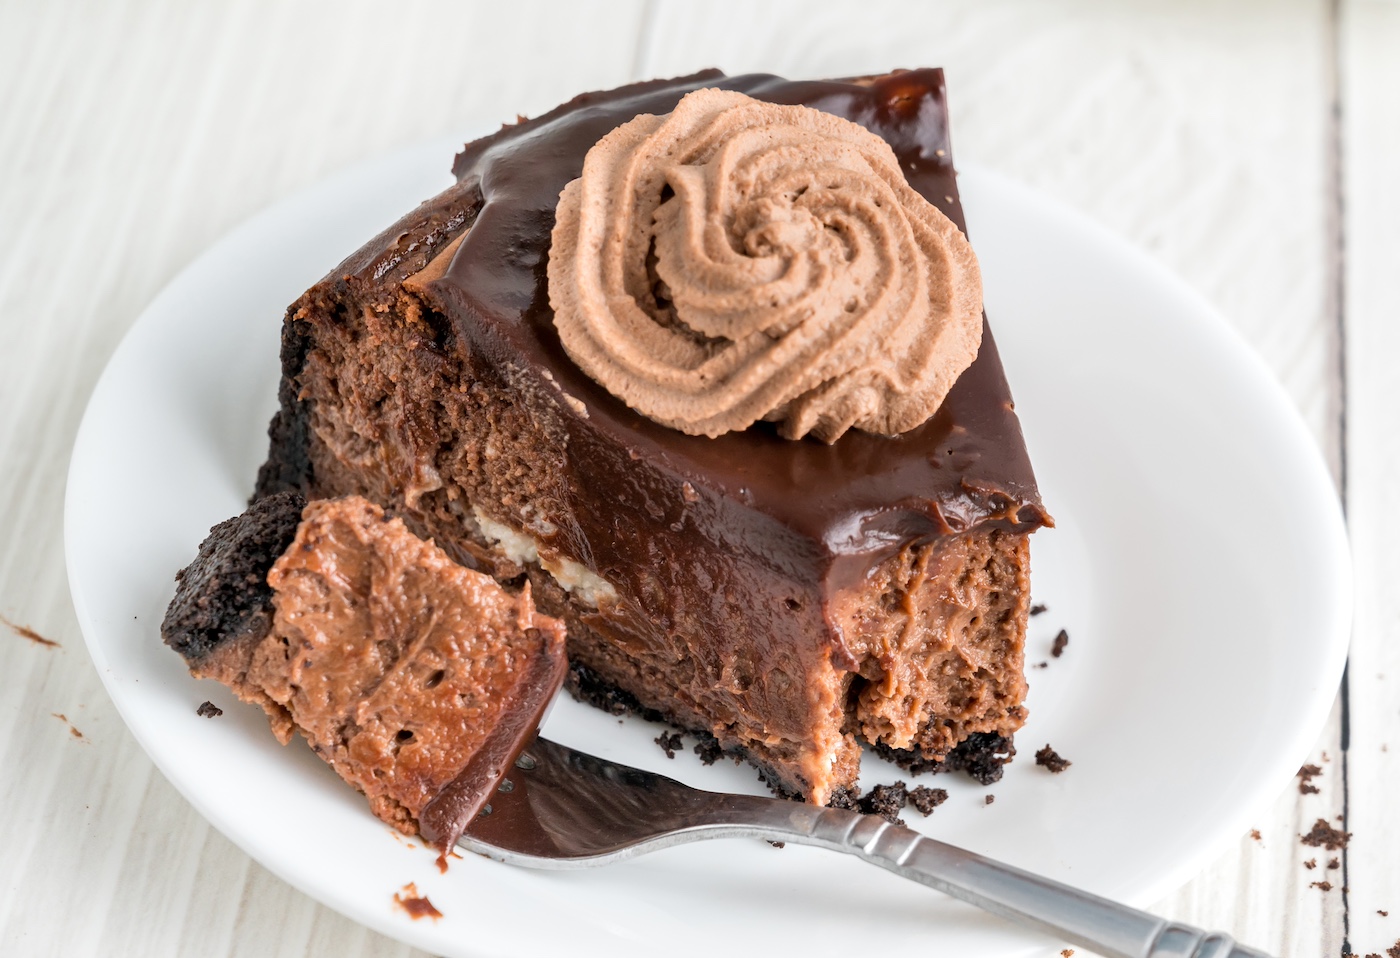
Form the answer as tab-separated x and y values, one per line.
417	680
792	598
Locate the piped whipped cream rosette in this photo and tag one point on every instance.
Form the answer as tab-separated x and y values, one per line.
736	260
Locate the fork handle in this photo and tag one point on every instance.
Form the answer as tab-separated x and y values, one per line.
1104	926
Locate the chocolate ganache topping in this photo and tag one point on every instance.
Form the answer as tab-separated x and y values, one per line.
736	260
855	499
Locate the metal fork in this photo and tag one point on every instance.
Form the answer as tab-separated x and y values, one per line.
564	809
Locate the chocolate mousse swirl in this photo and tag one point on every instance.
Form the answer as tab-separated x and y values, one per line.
737	260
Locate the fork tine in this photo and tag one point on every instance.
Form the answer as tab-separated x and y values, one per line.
565	805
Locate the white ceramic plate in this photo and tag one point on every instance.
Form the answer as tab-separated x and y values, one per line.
1199	565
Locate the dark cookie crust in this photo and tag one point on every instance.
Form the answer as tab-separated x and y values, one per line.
288	465
223	595
982	755
589	687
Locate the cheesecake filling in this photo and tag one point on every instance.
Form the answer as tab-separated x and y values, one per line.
395	663
573	577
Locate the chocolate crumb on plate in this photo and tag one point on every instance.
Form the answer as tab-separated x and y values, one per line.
1322	885
1394	950
1310	864
670	743
1305	775
1067	953
208	710
1254	834
1039	607
887	801
926	799
1041	665
1382	912
1334	864
776	844
1324	835
1061	640
1051	760
989	799
415	905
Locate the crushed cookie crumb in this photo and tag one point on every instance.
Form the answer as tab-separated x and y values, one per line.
989	799
1394	950
670	743
1051	760
1067	953
1324	835
1254	834
1039	607
887	801
709	750
1305	776
776	844
208	710
1334	864
1310	864
1061	641
1321	885
926	799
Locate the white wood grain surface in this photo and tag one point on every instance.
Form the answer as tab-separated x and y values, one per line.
1370	147
133	134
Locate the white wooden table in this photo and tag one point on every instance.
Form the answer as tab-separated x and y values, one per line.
1252	146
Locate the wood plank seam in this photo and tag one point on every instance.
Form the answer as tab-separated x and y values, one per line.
1336	306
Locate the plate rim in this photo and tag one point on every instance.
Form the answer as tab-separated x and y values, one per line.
412	933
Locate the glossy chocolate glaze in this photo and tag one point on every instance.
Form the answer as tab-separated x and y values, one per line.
443	819
857	498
